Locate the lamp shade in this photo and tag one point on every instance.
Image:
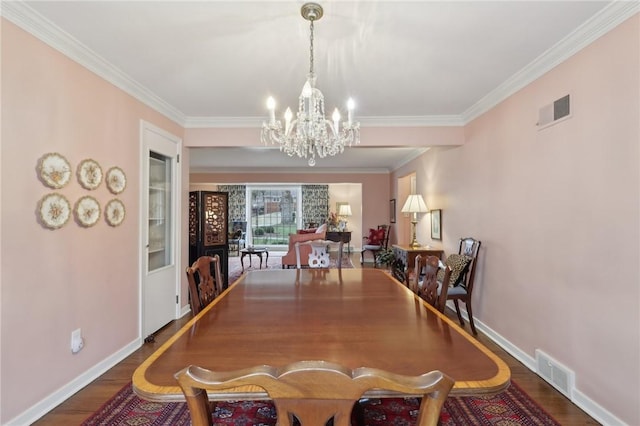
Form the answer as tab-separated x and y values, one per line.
345	210
414	204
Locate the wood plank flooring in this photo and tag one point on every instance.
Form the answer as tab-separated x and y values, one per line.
89	399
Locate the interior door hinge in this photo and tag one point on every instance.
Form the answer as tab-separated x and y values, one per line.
178	158
177	301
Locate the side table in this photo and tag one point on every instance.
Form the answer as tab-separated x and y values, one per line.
337	236
406	259
257	251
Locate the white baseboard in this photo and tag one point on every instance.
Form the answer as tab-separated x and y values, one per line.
599	413
59	396
185	310
594	410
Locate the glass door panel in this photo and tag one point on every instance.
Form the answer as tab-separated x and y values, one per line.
160	199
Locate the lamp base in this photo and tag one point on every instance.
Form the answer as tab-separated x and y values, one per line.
414	241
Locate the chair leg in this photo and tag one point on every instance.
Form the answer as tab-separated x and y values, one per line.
455	302
467	304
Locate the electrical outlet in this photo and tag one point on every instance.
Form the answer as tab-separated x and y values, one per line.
77	342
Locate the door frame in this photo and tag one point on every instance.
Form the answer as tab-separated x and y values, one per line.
175	211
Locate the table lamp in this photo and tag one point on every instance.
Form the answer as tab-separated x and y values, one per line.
414	204
344	212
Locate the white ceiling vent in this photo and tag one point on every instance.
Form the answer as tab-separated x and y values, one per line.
555	112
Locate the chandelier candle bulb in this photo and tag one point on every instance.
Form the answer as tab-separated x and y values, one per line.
271	105
336	120
287	120
350	106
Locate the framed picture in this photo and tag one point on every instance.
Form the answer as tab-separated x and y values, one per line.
436	224
392	211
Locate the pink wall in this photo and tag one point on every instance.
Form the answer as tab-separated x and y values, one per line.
557	212
56	281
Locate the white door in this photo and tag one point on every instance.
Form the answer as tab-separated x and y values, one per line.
160	200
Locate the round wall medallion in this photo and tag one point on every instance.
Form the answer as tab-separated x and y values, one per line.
116	180
54	170
89	174
114	212
54	210
87	211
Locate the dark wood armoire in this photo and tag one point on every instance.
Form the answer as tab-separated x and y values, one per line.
208	233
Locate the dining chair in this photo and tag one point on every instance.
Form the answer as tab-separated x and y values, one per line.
203	286
425	284
319	256
237	237
461	289
313	392
377	241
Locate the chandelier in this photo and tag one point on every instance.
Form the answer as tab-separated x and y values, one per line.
311	134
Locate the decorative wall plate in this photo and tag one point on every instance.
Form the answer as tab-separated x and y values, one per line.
89	174
114	212
116	180
54	210
54	170
87	211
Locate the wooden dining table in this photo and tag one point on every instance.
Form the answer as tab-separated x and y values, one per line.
353	317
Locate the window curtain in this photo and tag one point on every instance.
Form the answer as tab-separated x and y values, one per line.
315	204
237	202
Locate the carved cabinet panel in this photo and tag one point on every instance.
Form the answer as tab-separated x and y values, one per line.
208	233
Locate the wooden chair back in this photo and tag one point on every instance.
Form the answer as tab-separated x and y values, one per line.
426	269
203	286
313	391
469	247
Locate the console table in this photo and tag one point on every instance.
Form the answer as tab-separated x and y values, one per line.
337	236
406	259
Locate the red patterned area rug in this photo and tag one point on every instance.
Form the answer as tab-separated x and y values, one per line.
512	407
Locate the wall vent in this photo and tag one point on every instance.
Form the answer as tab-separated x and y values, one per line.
558	376
558	110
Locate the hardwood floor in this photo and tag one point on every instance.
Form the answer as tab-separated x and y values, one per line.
89	399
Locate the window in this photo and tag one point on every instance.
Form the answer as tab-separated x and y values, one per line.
274	213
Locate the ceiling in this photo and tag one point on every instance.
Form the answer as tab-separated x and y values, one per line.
214	63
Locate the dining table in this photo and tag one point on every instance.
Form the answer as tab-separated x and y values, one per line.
352	317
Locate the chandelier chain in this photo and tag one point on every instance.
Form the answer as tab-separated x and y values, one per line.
311	47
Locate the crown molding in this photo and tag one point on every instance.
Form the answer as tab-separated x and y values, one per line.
399	121
413	121
221	122
598	25
31	21
409	158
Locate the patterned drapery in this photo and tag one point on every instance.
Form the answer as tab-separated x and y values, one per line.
237	202
315	204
